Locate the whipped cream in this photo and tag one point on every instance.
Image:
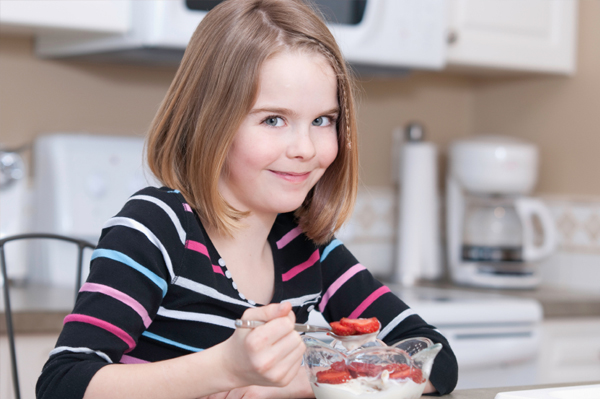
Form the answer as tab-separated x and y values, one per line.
370	388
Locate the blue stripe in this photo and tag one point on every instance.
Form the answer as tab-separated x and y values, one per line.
174	191
332	245
171	342
121	257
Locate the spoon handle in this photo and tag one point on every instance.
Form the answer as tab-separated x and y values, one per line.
298	327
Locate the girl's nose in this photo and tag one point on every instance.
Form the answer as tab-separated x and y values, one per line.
301	144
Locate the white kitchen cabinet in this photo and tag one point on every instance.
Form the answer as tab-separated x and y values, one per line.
32	353
517	35
570	351
63	16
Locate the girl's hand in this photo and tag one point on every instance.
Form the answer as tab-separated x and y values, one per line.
298	388
269	355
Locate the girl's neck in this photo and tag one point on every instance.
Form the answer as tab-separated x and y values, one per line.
248	257
249	242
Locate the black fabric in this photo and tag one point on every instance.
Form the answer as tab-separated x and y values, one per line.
154	252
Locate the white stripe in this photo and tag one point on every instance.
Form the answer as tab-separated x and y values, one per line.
208	291
134	224
168	210
397	320
79	350
303	300
201	317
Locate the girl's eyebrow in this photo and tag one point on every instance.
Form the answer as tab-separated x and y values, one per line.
286	111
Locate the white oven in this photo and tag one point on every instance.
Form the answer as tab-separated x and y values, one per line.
375	33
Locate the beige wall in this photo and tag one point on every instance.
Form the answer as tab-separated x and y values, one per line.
557	113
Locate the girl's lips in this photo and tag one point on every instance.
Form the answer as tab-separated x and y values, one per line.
292	177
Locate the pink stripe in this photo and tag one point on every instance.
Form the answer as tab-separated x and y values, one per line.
367	302
338	283
131	360
217	269
301	267
187	207
288	237
196	246
104	325
120	296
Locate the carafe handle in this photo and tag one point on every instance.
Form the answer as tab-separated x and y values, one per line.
527	208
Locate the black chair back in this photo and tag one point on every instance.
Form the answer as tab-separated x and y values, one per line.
81	244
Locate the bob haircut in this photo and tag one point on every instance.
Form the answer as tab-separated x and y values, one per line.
215	88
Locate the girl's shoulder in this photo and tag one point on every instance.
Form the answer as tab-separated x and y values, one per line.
151	204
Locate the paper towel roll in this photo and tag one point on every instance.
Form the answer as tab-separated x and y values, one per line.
418	239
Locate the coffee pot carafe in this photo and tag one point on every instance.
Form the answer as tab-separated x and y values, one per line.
496	233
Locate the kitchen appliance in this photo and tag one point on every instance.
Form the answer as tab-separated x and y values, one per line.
418	241
371	33
14	195
496	235
496	338
80	181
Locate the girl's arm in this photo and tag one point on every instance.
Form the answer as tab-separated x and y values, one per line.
269	355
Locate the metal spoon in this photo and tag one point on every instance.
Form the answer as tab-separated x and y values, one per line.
298	327
309	328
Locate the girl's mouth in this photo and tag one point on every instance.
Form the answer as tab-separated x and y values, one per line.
291	177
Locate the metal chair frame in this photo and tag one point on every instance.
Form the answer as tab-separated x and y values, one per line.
81	244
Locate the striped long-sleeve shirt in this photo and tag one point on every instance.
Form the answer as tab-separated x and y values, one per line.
158	289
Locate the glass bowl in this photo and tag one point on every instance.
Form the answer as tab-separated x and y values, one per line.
371	371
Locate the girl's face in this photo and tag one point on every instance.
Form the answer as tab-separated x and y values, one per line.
288	139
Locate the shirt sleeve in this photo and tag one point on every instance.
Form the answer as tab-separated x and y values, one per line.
130	271
351	291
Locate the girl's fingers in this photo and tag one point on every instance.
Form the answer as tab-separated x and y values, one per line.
268	312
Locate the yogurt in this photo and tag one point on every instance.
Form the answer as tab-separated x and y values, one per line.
369	388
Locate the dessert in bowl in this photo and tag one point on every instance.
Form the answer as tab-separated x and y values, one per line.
371	371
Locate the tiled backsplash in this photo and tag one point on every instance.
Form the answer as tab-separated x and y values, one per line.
577	261
371	233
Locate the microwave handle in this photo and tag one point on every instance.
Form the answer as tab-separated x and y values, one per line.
527	208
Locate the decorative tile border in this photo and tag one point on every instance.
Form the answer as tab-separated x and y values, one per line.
371	236
577	222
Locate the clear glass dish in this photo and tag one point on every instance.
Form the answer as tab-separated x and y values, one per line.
371	371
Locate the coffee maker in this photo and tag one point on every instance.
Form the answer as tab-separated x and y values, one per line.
496	234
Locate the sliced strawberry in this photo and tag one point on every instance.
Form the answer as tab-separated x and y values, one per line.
339	366
358	369
399	371
396	367
340	329
417	376
361	326
331	376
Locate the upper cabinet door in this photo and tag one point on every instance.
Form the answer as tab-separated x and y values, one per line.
63	16
520	35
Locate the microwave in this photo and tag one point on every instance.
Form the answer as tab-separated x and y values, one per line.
372	34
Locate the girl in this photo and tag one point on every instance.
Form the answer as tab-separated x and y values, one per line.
255	144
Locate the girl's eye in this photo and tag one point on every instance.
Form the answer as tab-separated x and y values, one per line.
322	121
274	121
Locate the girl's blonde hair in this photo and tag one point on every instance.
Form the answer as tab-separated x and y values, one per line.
215	88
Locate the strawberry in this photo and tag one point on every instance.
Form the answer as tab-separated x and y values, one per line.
399	371
339	366
331	376
339	329
417	376
396	367
358	369
361	326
